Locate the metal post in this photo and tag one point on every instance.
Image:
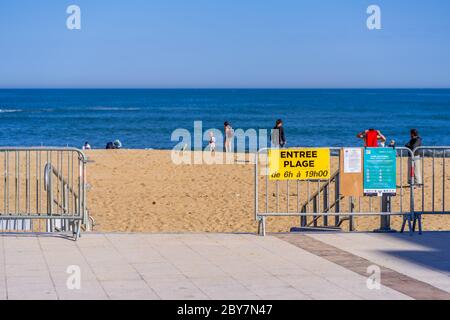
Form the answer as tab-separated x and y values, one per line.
385	220
337	200
325	205
256	186
315	211
350	218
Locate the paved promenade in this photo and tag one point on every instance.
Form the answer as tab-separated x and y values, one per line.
224	266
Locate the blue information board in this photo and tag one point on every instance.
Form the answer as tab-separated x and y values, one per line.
380	171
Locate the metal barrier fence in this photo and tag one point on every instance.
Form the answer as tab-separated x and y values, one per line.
315	201
44	191
431	179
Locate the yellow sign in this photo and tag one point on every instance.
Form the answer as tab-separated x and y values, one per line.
299	164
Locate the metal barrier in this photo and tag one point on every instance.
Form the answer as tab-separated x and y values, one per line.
44	191
314	200
429	176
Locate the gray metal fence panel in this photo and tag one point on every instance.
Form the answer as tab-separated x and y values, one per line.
44	190
430	177
321	199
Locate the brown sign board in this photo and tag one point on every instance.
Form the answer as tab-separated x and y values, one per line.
351	172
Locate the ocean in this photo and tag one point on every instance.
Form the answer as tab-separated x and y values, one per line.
147	118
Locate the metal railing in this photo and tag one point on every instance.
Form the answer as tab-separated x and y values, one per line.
44	190
430	177
317	200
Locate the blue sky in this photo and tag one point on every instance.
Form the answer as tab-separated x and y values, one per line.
224	44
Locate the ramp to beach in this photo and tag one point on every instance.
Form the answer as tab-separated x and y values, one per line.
224	266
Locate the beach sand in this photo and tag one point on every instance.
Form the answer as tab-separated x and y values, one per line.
144	191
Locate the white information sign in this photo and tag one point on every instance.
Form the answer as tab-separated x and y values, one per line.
352	160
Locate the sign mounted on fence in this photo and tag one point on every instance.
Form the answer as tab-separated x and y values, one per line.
352	160
351	172
380	171
299	164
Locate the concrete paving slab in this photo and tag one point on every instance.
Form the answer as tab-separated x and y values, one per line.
204	266
422	257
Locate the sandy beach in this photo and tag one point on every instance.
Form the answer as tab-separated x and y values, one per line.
144	191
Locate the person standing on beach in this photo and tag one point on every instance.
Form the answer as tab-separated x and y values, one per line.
414	163
212	142
278	137
371	138
229	133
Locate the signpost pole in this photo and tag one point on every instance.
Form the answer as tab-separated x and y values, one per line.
385	220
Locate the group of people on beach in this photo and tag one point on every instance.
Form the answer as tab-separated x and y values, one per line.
116	144
372	138
228	134
278	137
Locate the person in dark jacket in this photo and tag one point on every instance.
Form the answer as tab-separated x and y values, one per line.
414	163
278	137
415	141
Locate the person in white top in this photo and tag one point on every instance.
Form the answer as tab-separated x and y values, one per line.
212	142
229	134
87	146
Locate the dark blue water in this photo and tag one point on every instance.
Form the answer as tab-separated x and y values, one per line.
146	118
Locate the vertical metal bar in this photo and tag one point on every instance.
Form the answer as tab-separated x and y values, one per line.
58	184
63	188
401	180
432	182
315	210
308	186
8	207
288	195
267	181
17	188
277	196
50	194
61	182
337	198
256	186
319	187
28	196
423	180
443	181
412	205
80	180
39	186
326	205
72	178
5	182
350	221
84	190
39	182
68	181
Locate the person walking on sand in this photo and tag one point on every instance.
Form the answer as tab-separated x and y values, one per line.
229	134
415	162
212	142
371	138
278	137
